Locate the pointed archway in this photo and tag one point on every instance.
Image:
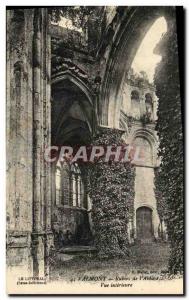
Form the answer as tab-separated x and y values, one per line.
73	123
126	42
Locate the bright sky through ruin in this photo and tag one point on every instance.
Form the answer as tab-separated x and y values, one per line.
145	60
67	23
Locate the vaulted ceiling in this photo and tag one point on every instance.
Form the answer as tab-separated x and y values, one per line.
72	114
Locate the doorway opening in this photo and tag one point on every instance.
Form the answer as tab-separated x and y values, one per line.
144	224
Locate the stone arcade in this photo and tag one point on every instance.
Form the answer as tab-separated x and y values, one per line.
59	94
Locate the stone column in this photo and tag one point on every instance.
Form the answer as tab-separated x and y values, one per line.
29	235
42	235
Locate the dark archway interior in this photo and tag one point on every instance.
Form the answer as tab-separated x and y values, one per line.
72	115
72	125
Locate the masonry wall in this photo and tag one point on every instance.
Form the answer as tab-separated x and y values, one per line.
28	132
19	139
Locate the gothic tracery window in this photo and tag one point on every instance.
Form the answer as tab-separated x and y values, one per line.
69	185
77	184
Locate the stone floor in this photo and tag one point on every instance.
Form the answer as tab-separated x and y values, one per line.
144	258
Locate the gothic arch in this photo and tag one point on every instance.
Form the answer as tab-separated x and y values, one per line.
135	95
144	204
125	44
85	105
67	75
150	137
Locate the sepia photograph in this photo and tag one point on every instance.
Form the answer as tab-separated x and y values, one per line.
95	150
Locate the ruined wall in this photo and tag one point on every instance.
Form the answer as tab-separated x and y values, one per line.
19	138
28	131
140	133
136	107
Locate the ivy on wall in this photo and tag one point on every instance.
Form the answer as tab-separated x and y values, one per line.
78	14
169	177
88	19
111	188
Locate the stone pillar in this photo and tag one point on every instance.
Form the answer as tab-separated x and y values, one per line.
42	235
19	140
28	133
112	197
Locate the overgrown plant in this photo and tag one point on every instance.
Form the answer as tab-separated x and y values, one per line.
111	188
169	179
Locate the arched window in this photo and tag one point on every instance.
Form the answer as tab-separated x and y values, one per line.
69	185
149	105
65	183
145	150
135	95
77	186
135	104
